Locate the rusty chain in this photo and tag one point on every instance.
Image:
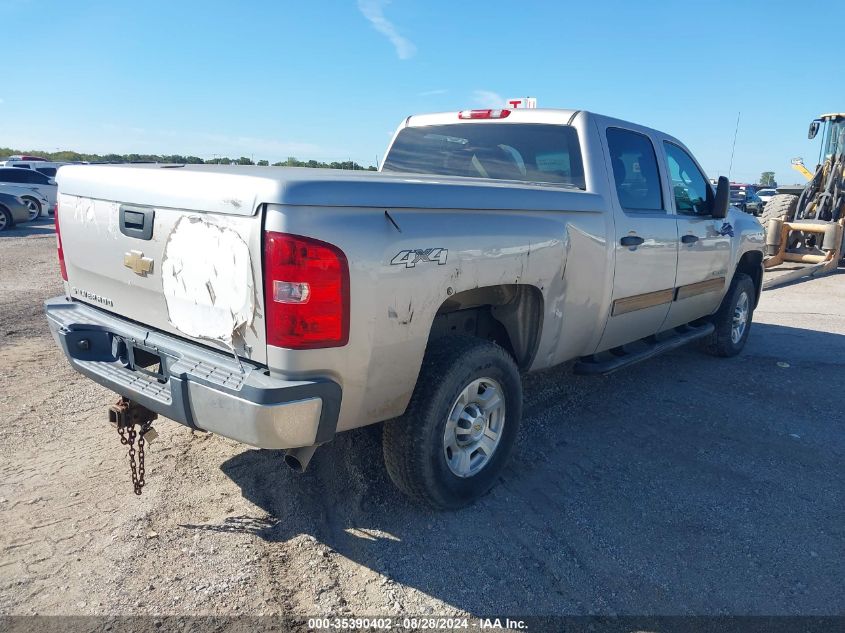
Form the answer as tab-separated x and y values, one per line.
127	438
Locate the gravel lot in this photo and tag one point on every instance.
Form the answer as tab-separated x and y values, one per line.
684	485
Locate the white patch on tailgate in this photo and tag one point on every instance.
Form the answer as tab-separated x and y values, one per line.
206	277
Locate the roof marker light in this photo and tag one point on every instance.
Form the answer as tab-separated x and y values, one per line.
483	114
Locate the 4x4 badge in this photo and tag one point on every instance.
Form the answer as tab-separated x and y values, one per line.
420	256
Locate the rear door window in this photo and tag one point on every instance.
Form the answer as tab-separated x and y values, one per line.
37	178
12	175
526	152
635	170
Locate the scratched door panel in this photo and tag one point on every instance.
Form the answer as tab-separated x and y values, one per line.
191	295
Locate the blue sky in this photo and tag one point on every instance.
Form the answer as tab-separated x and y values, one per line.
330	80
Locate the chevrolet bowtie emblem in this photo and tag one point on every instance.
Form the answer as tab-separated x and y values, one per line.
139	264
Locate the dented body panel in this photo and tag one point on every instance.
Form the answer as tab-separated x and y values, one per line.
202	282
418	247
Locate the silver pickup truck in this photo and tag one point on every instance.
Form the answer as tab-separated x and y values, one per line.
280	306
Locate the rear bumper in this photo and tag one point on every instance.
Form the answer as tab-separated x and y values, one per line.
198	387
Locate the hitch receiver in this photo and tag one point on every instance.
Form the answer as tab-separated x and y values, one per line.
126	413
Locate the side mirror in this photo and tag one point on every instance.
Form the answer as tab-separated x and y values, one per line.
814	129
722	199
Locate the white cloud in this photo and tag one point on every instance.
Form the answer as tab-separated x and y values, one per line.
431	93
488	99
373	10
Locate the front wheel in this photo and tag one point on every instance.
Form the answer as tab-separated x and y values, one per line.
733	320
455	437
33	206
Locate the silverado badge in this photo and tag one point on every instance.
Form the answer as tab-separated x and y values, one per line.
139	264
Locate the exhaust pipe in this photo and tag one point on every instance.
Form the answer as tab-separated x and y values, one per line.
298	458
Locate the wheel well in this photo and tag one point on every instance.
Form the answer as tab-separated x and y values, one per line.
509	314
751	263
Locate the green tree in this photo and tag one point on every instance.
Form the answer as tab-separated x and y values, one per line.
68	156
767	179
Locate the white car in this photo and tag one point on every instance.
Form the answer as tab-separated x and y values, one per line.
35	201
766	194
47	168
31	179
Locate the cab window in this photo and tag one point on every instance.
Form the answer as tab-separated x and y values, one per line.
693	194
531	152
635	170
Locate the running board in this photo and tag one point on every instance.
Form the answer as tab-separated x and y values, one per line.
619	357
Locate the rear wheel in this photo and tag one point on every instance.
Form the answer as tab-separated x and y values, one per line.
455	437
733	320
6	221
34	207
780	207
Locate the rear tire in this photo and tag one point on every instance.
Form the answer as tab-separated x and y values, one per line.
780	207
449	447
733	320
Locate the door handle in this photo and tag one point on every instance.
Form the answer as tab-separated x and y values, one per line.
631	240
689	239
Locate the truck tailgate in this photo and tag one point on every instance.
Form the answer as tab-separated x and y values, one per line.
135	245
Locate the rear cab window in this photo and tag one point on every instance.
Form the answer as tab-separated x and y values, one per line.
527	152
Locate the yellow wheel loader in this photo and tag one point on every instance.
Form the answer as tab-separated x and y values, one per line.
807	226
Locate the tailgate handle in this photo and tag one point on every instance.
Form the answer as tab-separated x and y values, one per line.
137	223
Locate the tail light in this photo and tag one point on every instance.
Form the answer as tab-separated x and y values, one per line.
59	248
306	292
483	114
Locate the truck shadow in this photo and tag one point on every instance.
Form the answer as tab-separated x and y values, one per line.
686	484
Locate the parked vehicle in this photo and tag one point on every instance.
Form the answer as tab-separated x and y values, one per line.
279	306
31	179
12	211
18	157
767	194
34	199
747	201
41	165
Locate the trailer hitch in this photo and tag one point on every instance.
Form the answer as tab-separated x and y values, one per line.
125	415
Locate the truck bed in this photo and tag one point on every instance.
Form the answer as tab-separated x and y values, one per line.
198	273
